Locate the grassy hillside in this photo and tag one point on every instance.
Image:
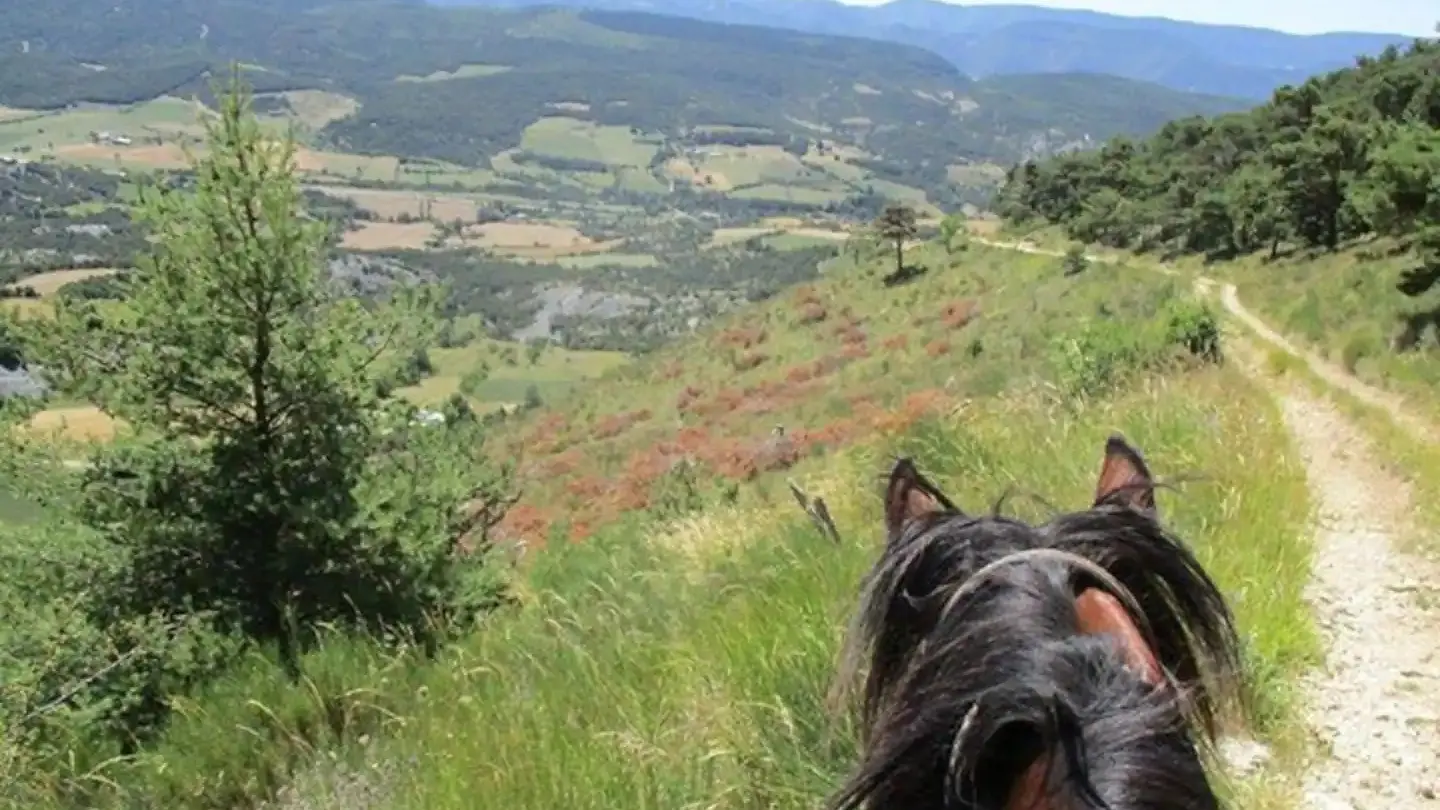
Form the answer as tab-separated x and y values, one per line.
577	103
649	659
1322	202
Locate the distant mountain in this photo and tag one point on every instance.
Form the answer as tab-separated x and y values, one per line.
1224	60
505	89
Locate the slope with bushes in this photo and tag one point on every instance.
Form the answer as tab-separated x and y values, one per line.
681	653
1324	199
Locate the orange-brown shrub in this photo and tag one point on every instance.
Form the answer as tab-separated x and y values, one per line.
749	360
897	343
812	312
937	348
615	424
745	338
687	398
957	314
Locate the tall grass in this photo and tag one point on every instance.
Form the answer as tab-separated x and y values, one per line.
685	665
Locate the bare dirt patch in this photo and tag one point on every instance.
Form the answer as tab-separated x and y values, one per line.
316	108
389	204
47	284
682	169
389	236
163	156
81	423
535	239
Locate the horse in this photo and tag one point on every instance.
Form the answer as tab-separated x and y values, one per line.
1082	663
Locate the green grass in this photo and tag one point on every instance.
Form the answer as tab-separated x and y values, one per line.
608	260
796	194
462	72
16	510
582	140
685	664
43	133
557	371
751	165
798	241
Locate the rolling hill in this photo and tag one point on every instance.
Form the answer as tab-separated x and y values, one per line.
1002	40
582	102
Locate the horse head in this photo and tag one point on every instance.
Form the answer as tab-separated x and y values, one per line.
1022	667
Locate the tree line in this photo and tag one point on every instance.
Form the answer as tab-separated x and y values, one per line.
1347	154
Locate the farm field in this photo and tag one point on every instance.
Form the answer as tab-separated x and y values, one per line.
506	372
463	72
49	283
572	138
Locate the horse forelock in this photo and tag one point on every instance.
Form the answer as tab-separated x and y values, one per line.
1039	632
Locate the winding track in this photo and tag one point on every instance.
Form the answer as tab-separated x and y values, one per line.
1375	704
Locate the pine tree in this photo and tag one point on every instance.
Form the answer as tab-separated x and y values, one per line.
897	224
265	481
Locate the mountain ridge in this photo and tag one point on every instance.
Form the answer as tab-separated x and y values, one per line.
1228	60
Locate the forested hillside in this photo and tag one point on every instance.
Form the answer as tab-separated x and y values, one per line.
1002	40
1345	155
462	85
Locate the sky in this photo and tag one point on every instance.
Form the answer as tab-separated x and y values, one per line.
1410	17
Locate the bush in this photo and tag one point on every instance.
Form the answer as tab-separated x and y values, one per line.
1102	354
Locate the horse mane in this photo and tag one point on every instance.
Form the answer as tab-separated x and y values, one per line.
1006	680
978	668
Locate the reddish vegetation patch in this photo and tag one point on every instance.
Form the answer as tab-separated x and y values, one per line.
744	338
896	343
957	314
855	351
615	424
851	334
811	313
524	522
688	398
749	360
937	348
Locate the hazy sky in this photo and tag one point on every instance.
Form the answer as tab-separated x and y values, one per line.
1411	17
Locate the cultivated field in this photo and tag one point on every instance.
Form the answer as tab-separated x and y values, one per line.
47	284
393	203
583	140
388	236
535	240
501	372
462	72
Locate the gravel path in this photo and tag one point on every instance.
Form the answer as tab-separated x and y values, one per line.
1376	702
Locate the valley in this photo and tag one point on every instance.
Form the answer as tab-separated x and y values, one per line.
405	406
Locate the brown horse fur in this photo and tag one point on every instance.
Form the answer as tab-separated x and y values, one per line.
1019	667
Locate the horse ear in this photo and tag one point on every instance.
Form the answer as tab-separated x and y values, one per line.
909	495
1124	478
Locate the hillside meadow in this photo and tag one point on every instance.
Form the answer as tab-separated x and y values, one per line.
683	661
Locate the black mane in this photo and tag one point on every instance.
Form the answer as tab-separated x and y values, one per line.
971	679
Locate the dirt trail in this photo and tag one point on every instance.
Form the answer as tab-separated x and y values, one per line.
1332	374
1375	704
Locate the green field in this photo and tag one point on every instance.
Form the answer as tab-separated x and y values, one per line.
462	72
582	140
510	373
